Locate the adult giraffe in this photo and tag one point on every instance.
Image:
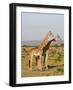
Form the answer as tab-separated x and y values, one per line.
40	49
46	53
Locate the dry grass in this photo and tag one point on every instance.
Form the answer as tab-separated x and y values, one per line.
55	63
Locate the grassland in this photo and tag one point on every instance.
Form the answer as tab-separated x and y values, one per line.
55	63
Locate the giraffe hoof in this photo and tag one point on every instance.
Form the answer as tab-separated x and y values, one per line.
46	68
30	69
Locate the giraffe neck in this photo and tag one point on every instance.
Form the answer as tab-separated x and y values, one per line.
45	48
51	41
44	42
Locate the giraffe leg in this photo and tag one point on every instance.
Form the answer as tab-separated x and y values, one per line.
46	61
43	63
30	62
39	63
36	61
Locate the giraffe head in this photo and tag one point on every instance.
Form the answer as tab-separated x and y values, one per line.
53	37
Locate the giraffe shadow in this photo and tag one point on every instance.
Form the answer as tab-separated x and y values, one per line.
51	67
48	67
55	66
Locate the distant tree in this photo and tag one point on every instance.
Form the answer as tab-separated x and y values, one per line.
58	36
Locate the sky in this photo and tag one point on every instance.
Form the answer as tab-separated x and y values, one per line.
34	26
